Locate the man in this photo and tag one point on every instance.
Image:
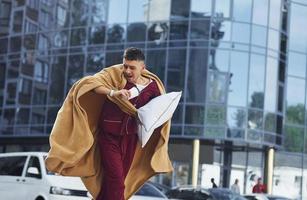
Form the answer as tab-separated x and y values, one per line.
95	133
259	187
213	183
235	187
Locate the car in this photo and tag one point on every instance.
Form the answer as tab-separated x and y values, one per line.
264	197
200	193
148	192
23	175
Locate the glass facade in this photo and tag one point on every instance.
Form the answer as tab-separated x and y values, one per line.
241	64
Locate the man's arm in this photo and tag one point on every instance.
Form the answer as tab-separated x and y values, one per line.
116	93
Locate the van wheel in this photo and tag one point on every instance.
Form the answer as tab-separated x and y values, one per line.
40	198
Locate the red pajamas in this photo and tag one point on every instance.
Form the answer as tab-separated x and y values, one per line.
117	142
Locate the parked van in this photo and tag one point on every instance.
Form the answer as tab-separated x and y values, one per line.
24	176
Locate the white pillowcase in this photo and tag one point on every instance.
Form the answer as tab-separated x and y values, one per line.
155	113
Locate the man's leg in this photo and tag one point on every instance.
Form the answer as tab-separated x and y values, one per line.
113	181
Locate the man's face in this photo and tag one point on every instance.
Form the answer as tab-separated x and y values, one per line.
133	69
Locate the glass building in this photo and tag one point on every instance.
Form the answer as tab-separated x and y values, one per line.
241	65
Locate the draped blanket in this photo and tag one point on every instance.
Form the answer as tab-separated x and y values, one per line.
74	150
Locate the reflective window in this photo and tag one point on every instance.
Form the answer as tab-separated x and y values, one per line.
192	130
201	9
15	44
30	41
260	12
57	80
294	139
116	33
255	119
17	26
177	117
25	91
222	7
77	37
180	9
155	62
216	115
295	101
95	62
34	162
5	14
62	16
218	86
157	34
259	35
255	136
238	81
196	76
138	12
136	32
270	122
4	46
271	85
60	39
240	32
51	114
8	117
219	60
176	69
273	41
214	132
11	92
298	33
75	69
275	14
117	12
194	115
256	81
179	30
45	19
97	34
39	94
98	11
114	58
297	64
200	29
23	115
38	115
41	72
236	117
159	10
242	10
79	12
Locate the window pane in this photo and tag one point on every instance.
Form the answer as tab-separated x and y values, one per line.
8	117
259	35
238	82
273	41
57	80
179	30
137	11
136	32
12	166
117	12
216	115
297	64
294	139
95	62
79	12
155	60
116	34
236	117
295	101
99	11
197	75
75	69
97	34
222	7
195	115
297	31
176	69
271	85
243	29
78	37
256	81
242	10
275	13
157	34
218	87
159	10
25	91
200	9
200	29
180	9
260	12
255	119
17	26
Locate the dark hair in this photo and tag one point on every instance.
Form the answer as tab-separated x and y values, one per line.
133	53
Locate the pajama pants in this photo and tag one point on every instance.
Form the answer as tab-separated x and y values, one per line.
117	153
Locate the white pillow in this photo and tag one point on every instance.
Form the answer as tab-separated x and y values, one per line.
155	113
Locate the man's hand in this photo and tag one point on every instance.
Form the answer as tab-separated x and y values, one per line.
125	94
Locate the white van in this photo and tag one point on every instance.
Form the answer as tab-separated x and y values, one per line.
24	176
